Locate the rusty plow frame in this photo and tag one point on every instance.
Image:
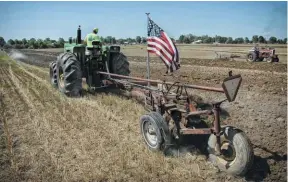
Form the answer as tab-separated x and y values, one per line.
159	97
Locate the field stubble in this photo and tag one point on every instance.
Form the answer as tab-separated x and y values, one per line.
100	141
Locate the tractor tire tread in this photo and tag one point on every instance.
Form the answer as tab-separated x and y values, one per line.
72	74
120	65
53	74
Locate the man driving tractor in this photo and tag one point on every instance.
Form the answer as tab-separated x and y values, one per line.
91	37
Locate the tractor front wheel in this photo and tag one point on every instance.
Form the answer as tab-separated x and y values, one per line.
269	59
236	151
251	57
69	75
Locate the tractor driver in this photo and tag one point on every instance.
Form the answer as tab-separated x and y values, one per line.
91	37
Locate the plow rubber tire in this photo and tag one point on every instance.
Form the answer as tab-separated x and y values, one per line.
162	131
120	65
244	152
53	74
254	57
68	64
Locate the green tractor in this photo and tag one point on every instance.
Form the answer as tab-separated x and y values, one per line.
79	61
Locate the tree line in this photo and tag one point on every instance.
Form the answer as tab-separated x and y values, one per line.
190	38
184	39
49	43
32	43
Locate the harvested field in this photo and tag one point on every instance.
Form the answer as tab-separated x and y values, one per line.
101	140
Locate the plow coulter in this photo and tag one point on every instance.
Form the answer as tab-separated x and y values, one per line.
172	113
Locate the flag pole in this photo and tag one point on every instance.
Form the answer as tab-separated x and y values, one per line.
148	58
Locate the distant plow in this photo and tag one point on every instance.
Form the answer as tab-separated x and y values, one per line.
229	56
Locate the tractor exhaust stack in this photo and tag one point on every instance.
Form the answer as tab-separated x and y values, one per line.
78	35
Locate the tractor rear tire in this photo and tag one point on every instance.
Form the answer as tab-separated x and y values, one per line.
69	75
120	65
251	57
238	156
53	74
276	60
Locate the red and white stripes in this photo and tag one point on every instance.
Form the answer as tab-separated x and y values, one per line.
165	49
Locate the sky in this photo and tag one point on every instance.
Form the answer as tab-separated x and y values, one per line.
128	19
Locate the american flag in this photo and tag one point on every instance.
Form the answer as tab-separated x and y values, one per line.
159	43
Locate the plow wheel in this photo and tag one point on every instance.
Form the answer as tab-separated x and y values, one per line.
53	74
236	151
120	65
155	131
69	75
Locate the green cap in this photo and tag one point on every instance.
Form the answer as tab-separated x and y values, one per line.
95	30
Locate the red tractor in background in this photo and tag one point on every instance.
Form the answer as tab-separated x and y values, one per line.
263	54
